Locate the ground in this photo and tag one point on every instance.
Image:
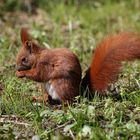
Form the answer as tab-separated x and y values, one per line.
77	25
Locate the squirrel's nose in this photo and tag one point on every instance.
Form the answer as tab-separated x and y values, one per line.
18	68
21	68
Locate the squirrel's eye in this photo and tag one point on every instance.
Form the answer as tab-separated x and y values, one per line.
23	59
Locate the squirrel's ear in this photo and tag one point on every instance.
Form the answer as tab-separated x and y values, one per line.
29	46
24	35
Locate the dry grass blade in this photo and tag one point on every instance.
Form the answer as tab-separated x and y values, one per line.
12	120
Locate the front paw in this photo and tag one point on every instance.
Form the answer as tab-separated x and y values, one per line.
20	74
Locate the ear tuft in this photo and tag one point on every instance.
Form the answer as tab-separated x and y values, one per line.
29	46
24	35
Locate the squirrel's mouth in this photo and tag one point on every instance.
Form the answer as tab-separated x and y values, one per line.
22	68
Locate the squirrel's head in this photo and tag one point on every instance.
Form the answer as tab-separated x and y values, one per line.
26	56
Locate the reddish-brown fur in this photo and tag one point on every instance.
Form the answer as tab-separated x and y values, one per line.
108	56
61	68
58	66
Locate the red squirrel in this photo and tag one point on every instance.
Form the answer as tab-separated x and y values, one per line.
59	69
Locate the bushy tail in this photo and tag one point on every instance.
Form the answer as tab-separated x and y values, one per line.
107	59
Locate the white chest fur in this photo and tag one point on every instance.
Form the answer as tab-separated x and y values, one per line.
51	91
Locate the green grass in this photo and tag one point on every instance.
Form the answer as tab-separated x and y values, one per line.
77	26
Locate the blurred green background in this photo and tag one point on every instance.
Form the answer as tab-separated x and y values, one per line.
76	24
